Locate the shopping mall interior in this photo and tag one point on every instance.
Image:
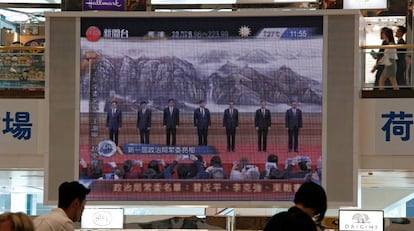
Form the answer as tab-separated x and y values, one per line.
64	62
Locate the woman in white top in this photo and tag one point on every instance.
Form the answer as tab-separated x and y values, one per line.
388	60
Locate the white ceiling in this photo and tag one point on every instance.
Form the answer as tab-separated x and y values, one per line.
23	14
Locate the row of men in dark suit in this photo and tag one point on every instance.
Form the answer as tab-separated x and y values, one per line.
202	122
171	122
293	123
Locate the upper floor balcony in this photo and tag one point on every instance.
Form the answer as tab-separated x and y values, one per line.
386	71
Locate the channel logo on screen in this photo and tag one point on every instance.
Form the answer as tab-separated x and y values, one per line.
93	34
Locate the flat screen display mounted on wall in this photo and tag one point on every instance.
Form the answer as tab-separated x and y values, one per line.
171	107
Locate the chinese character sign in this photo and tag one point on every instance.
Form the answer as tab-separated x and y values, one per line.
18	125
193	189
386	127
397	125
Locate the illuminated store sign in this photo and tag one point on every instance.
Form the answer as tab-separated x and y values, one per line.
106	218
365	4
113	5
361	220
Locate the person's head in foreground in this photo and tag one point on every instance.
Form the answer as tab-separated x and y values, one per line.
310	207
16	222
72	199
311	199
291	220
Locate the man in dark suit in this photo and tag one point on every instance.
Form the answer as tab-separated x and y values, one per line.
114	121
171	120
202	122
293	122
144	122
401	62
262	122
231	122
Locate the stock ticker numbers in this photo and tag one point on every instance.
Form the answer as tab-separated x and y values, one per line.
216	34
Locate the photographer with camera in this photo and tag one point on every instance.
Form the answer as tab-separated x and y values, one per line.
271	169
184	169
242	170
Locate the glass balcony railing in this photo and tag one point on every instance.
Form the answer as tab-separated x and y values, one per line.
386	71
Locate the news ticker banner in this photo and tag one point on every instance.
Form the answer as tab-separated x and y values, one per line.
386	127
18	127
192	190
94	29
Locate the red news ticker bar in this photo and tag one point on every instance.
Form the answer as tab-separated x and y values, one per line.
191	190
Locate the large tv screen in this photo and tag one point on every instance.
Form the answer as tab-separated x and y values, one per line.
155	115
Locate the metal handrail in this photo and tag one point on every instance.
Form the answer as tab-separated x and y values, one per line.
22	48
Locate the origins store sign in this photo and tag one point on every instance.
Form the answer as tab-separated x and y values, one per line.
364	220
108	5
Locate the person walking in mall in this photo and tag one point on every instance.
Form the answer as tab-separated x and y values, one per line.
401	53
378	67
388	60
71	202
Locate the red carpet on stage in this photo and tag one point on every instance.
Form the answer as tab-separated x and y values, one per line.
246	140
